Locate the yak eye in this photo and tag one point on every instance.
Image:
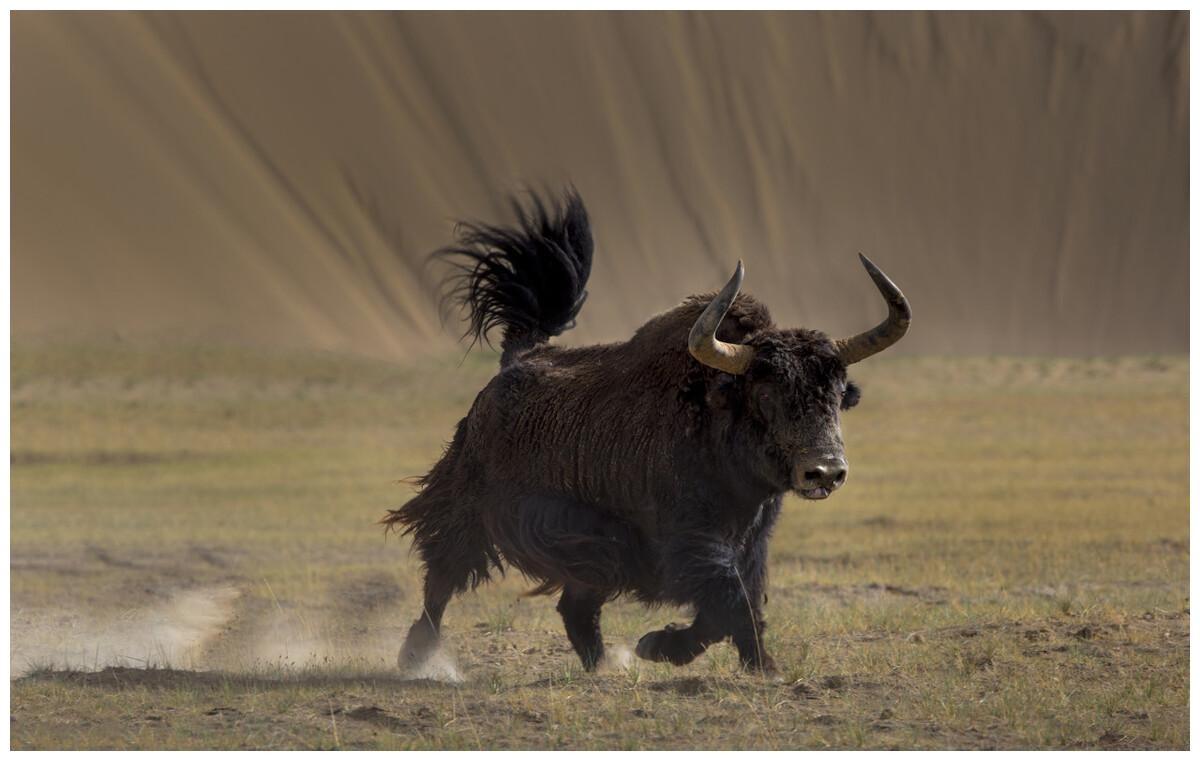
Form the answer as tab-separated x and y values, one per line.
851	395
766	399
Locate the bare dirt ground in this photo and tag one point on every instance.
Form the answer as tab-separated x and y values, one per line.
195	565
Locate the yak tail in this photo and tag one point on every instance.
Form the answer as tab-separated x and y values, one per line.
527	280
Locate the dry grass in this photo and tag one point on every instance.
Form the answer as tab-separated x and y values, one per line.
1006	568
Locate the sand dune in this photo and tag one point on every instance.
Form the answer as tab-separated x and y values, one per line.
278	178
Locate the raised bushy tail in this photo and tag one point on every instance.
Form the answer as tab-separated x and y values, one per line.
527	280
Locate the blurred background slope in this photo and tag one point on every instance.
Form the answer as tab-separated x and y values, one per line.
278	178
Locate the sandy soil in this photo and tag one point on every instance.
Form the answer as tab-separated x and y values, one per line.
278	178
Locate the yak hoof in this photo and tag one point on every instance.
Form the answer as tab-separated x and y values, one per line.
418	646
670	645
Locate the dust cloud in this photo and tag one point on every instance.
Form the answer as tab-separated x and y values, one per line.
440	666
172	634
220	628
619	657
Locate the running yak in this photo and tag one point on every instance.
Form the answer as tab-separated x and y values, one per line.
654	467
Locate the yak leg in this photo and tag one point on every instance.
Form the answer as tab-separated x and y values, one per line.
678	645
446	574
425	632
752	573
713	623
591	554
580	609
708	572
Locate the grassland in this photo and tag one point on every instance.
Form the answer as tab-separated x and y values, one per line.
195	564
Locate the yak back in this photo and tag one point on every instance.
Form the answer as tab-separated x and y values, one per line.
603	424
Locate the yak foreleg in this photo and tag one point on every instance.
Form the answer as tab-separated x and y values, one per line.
752	574
676	644
724	614
726	588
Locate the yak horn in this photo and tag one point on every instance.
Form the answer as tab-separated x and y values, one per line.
886	333
703	342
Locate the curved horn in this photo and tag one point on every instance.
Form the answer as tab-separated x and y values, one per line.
703	342
886	333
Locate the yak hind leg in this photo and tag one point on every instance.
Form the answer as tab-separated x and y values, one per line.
580	609
426	631
450	568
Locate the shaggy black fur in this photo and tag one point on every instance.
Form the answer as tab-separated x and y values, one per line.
628	468
527	280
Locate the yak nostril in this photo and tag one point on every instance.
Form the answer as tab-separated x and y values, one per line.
832	475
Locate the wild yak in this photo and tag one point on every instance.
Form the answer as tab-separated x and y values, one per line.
653	467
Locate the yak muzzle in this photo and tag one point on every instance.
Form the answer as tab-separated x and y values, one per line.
819	479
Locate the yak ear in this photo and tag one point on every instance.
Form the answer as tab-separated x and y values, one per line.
851	395
720	392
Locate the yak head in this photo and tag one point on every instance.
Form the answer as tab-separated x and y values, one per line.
787	388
